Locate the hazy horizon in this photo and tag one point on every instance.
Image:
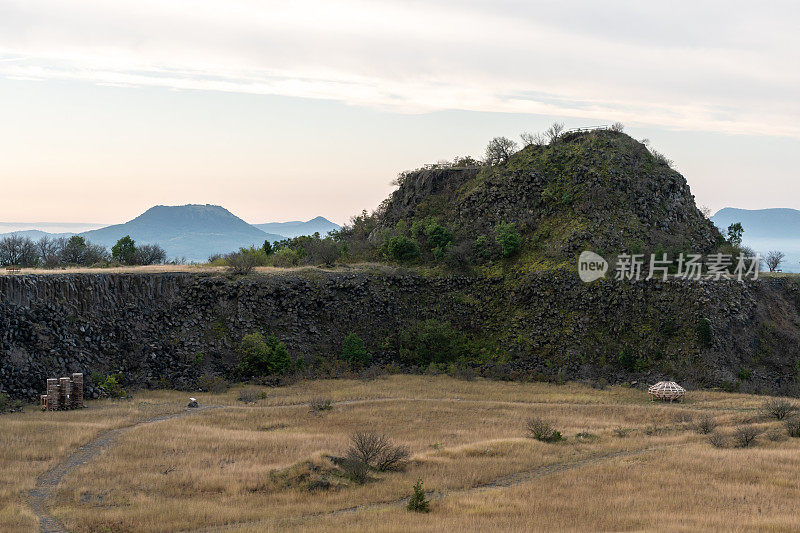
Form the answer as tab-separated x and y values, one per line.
79	227
9	226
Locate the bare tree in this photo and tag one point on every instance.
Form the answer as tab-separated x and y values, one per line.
325	251
778	408
366	446
554	131
705	210
499	150
774	259
18	251
50	250
745	436
149	254
94	253
618	127
532	139
706	424
377	451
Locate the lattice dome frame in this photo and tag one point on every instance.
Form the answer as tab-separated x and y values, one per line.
666	391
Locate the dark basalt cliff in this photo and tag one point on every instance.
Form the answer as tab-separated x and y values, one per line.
545	325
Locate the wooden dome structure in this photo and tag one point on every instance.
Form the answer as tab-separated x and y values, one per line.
666	391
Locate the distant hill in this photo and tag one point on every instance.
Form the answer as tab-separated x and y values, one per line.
296	228
191	231
765	230
50	228
35	234
776	223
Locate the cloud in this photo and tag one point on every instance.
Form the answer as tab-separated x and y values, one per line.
723	67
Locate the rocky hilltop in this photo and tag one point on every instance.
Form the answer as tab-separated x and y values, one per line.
600	190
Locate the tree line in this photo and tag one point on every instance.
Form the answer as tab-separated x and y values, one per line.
55	252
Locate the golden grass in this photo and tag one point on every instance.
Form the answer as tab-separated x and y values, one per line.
197	268
244	467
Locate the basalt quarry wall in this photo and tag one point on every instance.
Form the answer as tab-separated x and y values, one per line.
549	325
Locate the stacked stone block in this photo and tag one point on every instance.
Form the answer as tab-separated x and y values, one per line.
63	393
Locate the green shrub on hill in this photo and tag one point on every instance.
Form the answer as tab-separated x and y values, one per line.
402	248
507	236
705	336
354	351
434	341
262	356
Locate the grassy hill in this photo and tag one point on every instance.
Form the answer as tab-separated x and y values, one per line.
600	190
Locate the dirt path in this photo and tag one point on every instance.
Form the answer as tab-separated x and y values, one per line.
48	482
508	480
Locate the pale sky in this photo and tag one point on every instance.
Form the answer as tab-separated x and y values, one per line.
293	109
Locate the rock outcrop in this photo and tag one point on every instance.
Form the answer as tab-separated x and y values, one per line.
545	325
600	190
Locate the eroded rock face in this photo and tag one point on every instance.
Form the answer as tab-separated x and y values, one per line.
550	325
599	190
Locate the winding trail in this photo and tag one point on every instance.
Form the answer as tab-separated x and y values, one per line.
505	481
47	483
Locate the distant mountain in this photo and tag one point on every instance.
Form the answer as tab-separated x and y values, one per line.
35	234
191	231
296	228
779	223
765	230
52	228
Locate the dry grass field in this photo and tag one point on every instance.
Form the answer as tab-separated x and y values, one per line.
200	268
624	463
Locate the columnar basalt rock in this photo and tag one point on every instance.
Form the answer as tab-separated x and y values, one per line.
546	325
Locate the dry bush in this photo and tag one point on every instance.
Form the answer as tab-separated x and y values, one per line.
653	428
212	384
355	471
541	430
622	432
745	436
239	263
366	446
793	427
718	440
317	405
706	424
776	435
682	417
248	395
377	451
393	459
778	408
